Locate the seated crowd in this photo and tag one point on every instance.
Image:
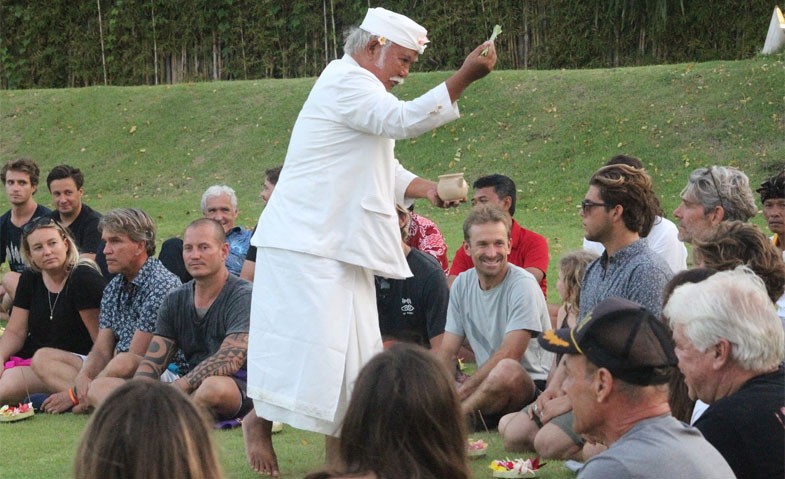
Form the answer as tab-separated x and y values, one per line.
639	348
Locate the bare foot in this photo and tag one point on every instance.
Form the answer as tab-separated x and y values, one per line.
258	437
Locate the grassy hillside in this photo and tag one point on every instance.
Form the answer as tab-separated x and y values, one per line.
160	147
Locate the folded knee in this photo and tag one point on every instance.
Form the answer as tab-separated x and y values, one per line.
553	443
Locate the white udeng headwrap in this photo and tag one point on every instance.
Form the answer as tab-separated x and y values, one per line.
396	27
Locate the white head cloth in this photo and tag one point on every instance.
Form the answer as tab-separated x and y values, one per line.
397	28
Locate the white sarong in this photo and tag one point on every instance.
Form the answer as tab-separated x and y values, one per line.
314	324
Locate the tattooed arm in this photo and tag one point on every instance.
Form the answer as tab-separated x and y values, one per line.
158	355
229	358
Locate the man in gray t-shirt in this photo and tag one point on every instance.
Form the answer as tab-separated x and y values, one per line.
499	308
207	320
618	362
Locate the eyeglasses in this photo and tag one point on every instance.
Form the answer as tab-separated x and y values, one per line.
41	221
586	205
716	187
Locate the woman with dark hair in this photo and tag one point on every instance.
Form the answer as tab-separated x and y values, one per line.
404	421
56	305
147	429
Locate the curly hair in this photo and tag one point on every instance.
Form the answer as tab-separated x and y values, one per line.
632	189
735	243
722	186
572	267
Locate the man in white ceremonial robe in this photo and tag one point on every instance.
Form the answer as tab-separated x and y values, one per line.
332	225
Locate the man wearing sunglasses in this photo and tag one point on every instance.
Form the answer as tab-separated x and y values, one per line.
713	195
618	210
20	178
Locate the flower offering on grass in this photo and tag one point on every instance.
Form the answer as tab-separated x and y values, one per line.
515	467
476	448
16	413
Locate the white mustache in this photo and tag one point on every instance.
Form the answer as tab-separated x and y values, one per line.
398	80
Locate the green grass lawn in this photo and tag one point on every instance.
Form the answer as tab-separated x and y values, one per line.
159	147
44	447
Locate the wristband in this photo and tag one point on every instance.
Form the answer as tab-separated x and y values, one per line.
72	395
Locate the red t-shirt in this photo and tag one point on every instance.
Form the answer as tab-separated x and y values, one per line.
529	250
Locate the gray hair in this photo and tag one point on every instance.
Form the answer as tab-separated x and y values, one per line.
218	190
731	305
132	222
356	39
727	187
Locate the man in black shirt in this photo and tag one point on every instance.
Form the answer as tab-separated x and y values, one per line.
413	309
20	178
66	184
730	344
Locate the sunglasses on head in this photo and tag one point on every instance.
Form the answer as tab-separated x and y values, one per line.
39	222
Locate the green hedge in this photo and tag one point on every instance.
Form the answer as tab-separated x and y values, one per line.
58	43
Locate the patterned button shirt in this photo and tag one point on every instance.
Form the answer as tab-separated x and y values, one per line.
127	307
635	272
239	239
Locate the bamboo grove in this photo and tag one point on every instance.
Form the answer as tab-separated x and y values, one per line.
65	43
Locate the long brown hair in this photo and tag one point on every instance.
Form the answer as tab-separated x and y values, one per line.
147	429
404	420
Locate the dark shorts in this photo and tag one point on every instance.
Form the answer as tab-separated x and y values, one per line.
246	403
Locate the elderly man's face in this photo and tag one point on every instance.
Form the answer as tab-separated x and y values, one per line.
220	209
693	222
391	64
578	387
774	212
696	367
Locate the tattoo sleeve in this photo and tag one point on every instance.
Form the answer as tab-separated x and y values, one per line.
159	352
229	358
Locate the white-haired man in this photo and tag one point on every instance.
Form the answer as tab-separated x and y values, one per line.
219	203
730	346
331	224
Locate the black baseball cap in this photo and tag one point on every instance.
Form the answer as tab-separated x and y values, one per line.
621	336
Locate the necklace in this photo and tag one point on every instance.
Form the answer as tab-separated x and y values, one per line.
52	305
